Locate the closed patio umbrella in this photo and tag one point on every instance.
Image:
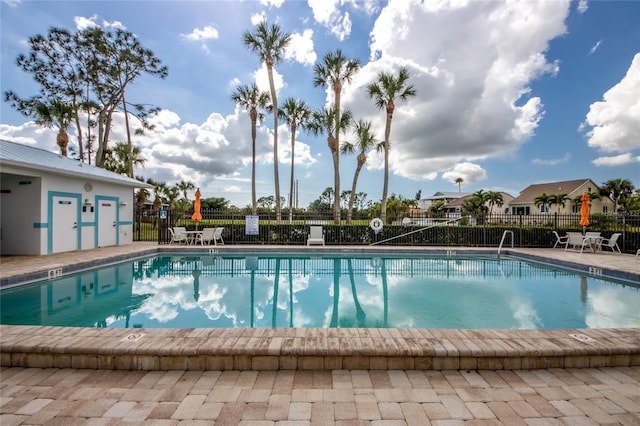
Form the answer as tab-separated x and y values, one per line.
196	217
584	211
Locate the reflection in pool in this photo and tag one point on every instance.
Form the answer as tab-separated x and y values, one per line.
324	290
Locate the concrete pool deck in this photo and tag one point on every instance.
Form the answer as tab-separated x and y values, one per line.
62	375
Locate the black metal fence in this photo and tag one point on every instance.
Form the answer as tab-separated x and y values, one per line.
528	231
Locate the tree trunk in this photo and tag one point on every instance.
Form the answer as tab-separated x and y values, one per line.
293	147
361	160
129	142
254	119
336	202
63	141
387	136
274	103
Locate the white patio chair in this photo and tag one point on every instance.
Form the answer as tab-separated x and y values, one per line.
316	236
206	236
576	239
611	243
560	241
217	236
178	235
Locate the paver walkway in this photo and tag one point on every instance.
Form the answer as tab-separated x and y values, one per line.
589	396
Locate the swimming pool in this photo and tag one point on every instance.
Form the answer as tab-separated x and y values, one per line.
324	290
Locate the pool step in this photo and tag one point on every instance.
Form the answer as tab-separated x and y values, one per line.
315	349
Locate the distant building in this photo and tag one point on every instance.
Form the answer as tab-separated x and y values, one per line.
453	209
425	203
524	204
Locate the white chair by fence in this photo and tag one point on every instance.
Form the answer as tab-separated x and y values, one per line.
576	239
611	243
206	236
178	235
217	236
560	241
315	236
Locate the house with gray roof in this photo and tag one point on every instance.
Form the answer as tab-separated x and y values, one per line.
53	204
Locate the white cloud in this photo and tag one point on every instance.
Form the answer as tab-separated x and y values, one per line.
615	121
368	6
583	5
616	160
473	86
272	3
553	161
301	48
326	12
256	18
206	33
203	36
83	23
115	24
595	47
12	3
471	173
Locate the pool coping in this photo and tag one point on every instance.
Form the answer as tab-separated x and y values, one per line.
314	348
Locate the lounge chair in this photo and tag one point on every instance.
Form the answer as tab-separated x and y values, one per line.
576	239
560	241
315	236
611	243
206	236
178	235
217	236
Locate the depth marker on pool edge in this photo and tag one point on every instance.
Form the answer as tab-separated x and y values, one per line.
583	338
133	337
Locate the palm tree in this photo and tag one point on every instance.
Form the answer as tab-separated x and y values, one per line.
253	99
560	200
617	190
58	114
494	198
365	140
269	43
185	186
385	91
475	206
459	181
121	157
335	70
326	121
172	194
543	200
296	114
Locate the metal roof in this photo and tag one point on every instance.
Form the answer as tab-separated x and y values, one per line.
29	157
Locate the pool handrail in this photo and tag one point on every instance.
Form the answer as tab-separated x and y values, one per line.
418	230
504	237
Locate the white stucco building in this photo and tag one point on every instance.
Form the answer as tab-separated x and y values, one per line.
51	204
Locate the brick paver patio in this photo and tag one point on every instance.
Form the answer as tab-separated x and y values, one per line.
347	397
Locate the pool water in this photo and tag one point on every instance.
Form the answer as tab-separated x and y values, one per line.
324	290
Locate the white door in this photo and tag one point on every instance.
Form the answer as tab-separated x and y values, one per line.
64	224
107	229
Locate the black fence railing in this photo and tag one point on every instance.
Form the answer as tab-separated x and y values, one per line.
528	231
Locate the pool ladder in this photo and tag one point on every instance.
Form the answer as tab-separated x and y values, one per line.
504	236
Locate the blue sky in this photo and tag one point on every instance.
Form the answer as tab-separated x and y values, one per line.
508	93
